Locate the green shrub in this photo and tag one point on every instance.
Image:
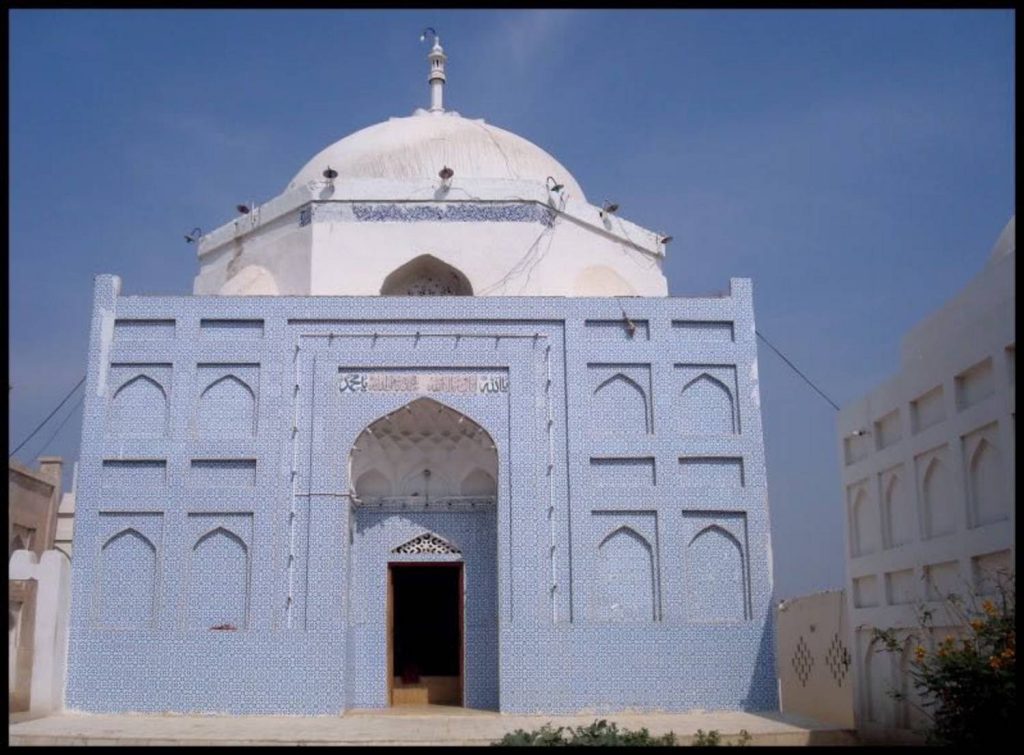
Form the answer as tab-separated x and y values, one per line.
967	684
604	734
600	733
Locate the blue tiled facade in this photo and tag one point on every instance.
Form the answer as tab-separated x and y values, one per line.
222	565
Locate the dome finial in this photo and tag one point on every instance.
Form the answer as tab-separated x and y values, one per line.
436	78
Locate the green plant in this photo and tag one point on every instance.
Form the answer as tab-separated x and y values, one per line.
600	733
713	739
966	683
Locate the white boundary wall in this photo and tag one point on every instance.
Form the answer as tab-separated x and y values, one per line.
928	482
813	658
52	573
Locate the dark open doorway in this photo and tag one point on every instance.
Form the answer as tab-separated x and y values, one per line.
425	633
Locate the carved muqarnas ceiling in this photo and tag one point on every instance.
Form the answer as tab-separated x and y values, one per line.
424	449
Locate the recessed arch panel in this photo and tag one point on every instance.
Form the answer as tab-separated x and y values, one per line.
716	576
426	275
706	407
139	409
625	578
218	581
127	581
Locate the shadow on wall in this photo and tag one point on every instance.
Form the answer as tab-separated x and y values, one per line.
763	692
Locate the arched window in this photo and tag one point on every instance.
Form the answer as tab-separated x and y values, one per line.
426	276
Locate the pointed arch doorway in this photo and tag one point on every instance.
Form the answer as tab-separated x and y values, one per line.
430	472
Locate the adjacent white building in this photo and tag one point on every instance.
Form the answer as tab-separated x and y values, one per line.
928	478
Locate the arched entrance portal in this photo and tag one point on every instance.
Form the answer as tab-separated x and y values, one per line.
424	479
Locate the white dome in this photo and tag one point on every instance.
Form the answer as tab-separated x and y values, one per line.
417	147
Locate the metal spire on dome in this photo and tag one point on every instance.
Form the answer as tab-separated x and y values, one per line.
436	78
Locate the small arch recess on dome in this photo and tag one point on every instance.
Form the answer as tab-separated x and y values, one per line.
426	275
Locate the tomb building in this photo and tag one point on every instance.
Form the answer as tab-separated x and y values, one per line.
428	429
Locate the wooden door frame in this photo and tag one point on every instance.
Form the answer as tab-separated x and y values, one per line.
461	566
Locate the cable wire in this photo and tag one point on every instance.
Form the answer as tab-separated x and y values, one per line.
48	417
794	368
63	422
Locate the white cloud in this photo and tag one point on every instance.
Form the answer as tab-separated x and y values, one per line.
527	37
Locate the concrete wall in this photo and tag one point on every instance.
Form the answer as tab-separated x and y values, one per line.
32	500
42	628
632	559
928	472
813	658
66	517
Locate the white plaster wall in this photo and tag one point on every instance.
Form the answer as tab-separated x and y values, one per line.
822	693
584	253
53	601
497	258
975	325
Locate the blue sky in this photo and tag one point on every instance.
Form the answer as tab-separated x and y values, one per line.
857	165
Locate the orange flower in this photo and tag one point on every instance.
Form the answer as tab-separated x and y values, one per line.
977	624
994	662
919	653
988	607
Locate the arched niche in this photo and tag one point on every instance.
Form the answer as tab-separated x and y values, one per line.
218	581
127	581
619	405
716	576
898	516
426	275
479	482
988	501
625	578
227	407
939	513
139	409
865	524
706	406
372	484
423	451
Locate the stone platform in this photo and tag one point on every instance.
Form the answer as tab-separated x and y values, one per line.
410	725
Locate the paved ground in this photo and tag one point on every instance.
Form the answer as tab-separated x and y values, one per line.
426	725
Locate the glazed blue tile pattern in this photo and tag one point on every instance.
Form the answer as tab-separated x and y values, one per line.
218	572
138	403
620	398
703	331
618	330
132	474
621	473
579	594
144	329
712	472
230	329
223	473
459	212
227	401
716	564
125	583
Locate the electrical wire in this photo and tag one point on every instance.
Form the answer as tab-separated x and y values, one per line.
60	426
794	368
48	417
